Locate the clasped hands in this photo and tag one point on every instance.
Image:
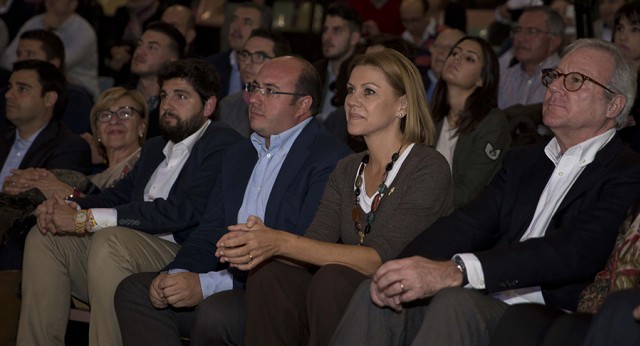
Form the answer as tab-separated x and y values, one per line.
56	216
408	279
178	290
22	180
248	244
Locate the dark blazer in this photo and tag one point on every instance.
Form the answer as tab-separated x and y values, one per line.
577	242
220	62
55	147
180	213
292	203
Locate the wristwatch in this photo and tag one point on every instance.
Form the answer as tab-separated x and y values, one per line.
81	217
462	268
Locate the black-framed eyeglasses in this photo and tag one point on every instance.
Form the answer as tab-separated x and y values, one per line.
527	30
256	58
122	113
252	88
572	81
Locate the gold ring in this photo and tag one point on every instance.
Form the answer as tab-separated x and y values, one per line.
402	287
250	257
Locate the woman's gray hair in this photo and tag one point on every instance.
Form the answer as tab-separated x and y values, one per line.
623	79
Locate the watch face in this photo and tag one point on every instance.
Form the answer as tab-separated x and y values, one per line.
81	216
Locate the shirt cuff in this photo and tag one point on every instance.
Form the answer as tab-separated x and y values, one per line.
104	217
214	282
474	270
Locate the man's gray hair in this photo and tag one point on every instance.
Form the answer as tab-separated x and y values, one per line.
623	79
555	23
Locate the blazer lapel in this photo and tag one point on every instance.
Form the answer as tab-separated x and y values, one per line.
239	178
593	172
5	145
295	160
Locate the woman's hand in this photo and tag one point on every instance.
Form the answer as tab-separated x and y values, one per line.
249	244
96	156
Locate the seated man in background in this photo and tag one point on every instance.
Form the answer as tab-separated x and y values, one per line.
159	44
79	38
261	47
246	17
35	99
278	174
45	45
539	233
136	225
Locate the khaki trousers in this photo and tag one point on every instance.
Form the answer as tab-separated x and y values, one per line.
89	268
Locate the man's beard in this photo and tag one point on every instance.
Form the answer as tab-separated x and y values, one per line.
183	128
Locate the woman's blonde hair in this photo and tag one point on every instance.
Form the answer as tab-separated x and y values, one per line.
109	97
403	76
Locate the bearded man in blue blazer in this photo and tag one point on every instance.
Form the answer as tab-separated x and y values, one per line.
539	233
278	175
90	244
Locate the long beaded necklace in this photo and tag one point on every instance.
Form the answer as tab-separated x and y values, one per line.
382	190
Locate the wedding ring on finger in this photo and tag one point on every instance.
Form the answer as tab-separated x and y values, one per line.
401	286
250	258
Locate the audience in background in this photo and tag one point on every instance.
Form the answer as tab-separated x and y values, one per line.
78	36
627	37
182	18
247	17
45	45
159	44
536	40
340	35
121	34
440	50
261	47
472	133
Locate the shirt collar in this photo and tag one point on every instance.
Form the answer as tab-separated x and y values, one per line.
281	141
32	137
585	152
550	62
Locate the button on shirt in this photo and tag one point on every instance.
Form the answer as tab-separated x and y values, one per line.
256	195
569	166
16	154
518	87
160	183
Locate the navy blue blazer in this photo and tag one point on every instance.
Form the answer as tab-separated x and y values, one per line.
577	242
292	203
220	62
55	147
180	213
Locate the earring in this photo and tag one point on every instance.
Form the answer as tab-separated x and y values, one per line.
400	115
140	134
99	140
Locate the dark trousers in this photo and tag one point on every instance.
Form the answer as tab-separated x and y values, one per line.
218	320
614	323
288	305
140	322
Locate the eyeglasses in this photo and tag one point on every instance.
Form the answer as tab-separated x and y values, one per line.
252	88
122	113
256	58
572	81
529	31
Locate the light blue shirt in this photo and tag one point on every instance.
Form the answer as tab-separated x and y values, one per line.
256	195
16	154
